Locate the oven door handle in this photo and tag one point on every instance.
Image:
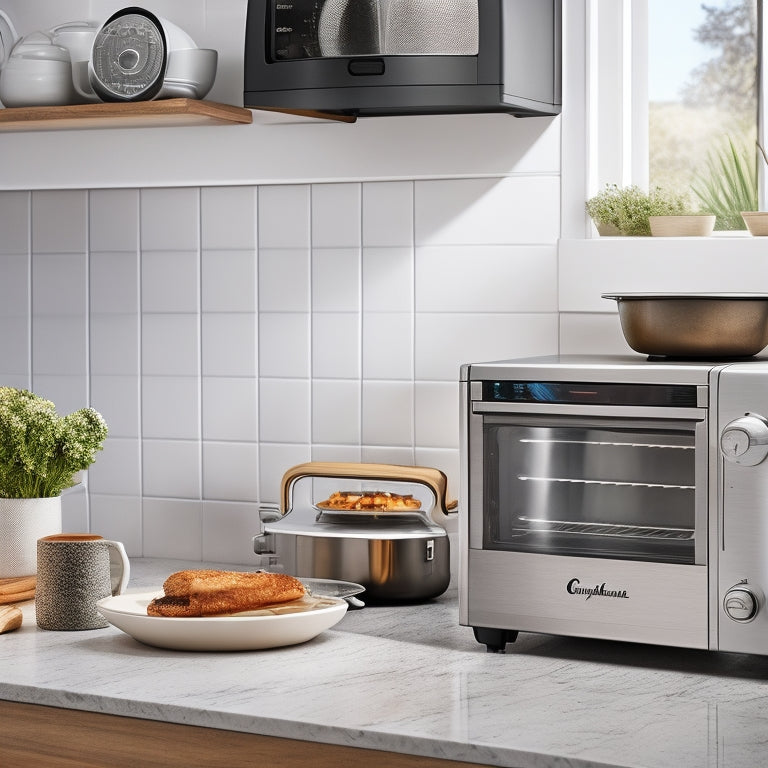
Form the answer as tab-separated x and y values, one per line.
605	411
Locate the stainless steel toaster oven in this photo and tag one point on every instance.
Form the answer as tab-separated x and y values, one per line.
618	497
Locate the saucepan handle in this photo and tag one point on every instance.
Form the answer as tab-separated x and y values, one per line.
432	478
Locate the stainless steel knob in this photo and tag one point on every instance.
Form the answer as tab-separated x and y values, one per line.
745	440
740	603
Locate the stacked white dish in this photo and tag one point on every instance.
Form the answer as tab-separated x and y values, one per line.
133	56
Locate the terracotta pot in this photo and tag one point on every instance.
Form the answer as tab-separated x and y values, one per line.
22	523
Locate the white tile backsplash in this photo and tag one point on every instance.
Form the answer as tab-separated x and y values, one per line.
14	287
230	408
486	278
231	471
229	344
335	279
171	468
388	345
284	411
117	399
284	344
284	280
172	528
113	281
59	221
118	468
114	344
388	213
170	407
228	218
59	345
388	282
113	217
170	345
229	281
444	341
14	222
59	285
336	412
228	531
336	218
170	281
387	413
284	216
229	333
512	210
436	409
14	346
69	393
118	518
170	219
336	345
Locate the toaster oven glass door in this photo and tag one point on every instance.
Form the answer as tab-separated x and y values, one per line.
609	488
311	29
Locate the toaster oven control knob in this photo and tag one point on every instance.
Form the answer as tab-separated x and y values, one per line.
745	440
740	603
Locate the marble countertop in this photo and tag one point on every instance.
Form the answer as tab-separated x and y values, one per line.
409	679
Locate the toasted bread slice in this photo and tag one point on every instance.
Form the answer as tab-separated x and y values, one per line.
209	593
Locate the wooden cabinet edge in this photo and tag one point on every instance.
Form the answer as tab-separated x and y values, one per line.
32	735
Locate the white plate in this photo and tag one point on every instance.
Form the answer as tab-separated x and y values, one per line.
268	628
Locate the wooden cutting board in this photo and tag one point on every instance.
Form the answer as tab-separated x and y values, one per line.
17	590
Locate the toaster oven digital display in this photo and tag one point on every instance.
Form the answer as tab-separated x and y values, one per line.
671	395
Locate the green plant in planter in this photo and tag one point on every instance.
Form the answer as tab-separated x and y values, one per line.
729	186
626	209
40	451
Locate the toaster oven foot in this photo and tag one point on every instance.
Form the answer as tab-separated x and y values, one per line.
495	640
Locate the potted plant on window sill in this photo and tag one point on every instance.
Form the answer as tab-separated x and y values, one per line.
41	454
631	212
757	221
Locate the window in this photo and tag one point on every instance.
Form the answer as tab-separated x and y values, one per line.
702	103
668	87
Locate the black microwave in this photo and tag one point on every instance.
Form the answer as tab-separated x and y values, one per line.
404	57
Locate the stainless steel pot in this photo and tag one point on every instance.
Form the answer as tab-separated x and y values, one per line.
694	324
396	556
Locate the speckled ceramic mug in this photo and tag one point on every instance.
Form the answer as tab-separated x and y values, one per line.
74	571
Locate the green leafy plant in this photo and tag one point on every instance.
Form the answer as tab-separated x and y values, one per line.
627	209
40	451
729	186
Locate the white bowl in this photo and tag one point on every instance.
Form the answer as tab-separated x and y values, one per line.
189	74
36	83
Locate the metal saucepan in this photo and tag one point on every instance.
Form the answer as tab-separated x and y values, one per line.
396	557
694	324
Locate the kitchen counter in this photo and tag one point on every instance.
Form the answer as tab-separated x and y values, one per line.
410	680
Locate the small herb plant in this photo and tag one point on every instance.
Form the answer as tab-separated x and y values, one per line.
40	451
627	209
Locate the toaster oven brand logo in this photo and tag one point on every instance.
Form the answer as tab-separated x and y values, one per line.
573	587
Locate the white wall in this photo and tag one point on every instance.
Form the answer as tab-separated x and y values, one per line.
228	333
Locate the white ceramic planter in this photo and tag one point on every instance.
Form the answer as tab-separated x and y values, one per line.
757	222
22	523
695	225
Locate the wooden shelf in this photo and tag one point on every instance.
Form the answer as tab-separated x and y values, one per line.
133	114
